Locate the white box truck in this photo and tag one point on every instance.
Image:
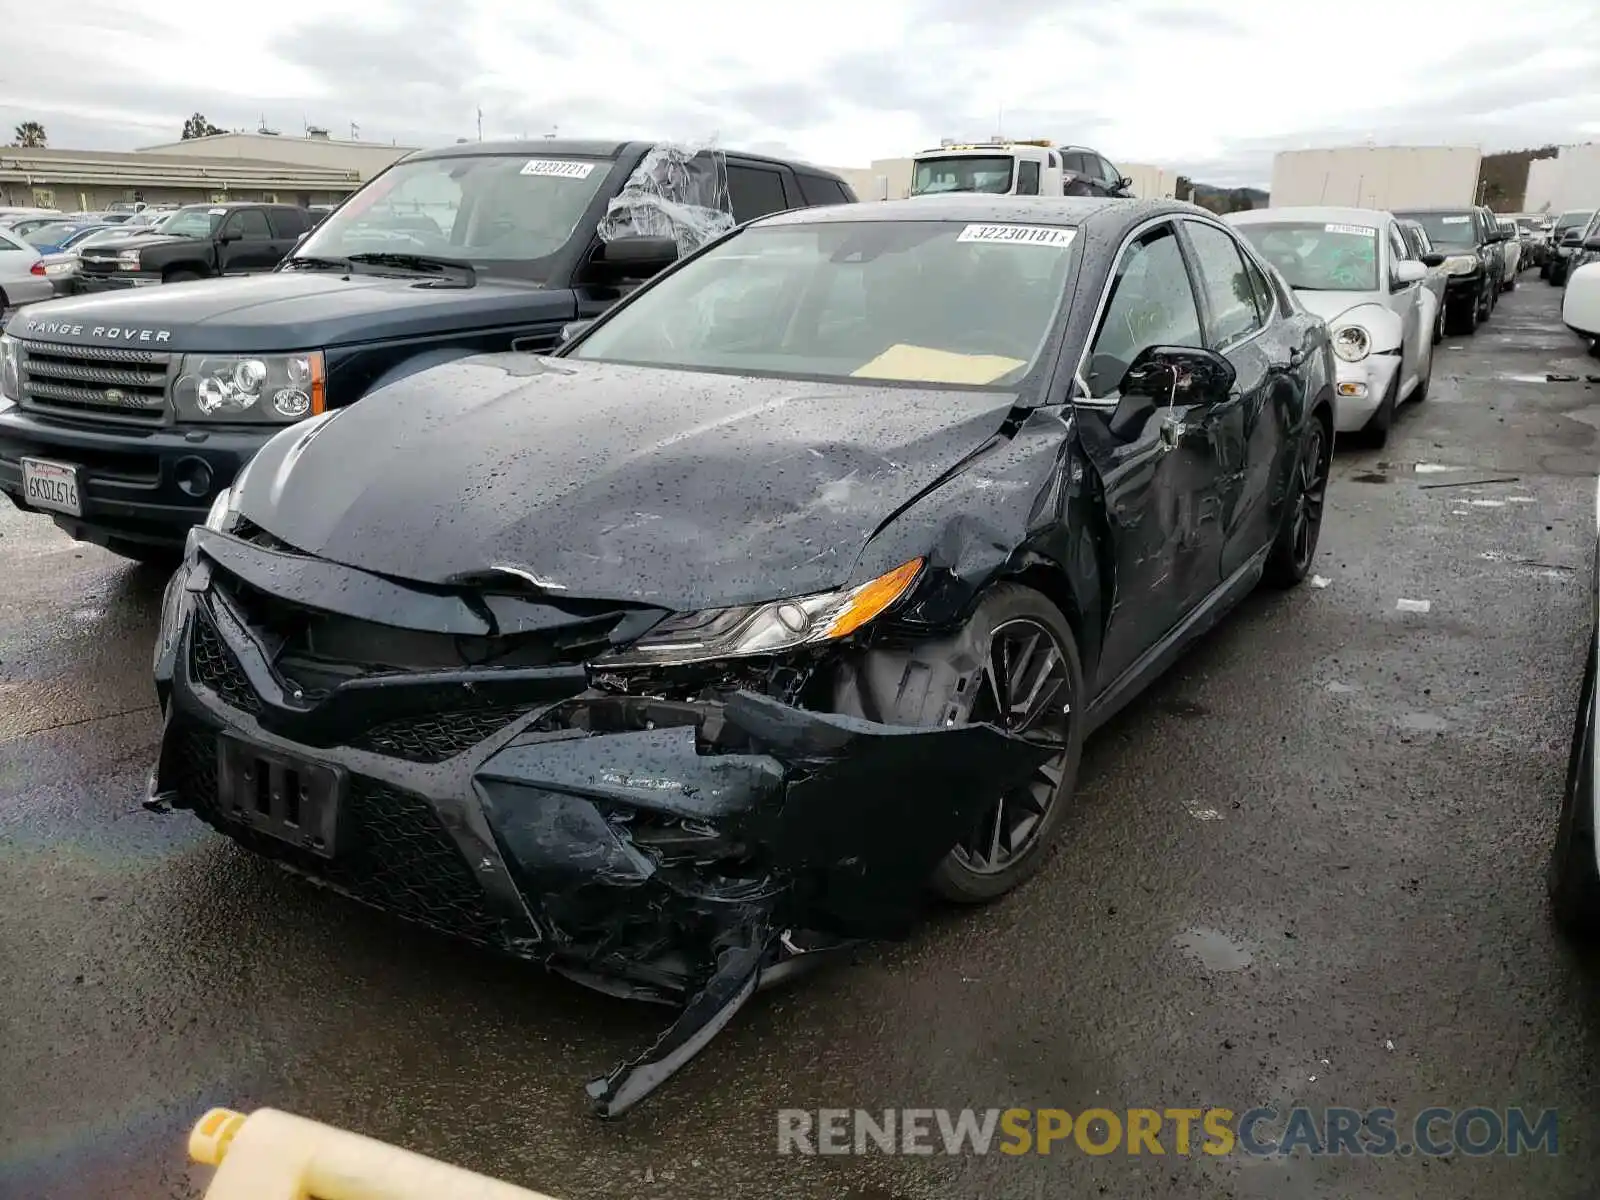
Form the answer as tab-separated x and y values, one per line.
1383	177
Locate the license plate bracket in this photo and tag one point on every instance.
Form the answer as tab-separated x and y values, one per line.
285	797
52	486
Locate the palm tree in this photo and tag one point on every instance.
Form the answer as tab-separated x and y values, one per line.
30	135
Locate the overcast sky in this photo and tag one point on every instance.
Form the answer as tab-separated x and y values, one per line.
1206	87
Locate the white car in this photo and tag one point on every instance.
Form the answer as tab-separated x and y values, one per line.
1354	268
1580	307
1513	253
22	279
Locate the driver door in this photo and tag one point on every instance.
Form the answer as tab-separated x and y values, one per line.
1162	498
245	243
1406	301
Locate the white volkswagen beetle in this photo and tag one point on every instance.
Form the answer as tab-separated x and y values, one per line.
1354	268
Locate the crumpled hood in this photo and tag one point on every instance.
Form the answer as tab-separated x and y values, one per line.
675	488
1330	306
290	310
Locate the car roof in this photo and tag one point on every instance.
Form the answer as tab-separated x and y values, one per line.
1327	213
1106	214
1441	208
597	148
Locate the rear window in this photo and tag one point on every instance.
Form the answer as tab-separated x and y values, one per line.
815	190
287	222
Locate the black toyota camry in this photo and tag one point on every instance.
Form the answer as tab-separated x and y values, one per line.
784	594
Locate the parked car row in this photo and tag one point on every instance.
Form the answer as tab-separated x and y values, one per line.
1566	239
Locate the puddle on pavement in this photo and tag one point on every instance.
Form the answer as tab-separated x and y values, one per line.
1213	950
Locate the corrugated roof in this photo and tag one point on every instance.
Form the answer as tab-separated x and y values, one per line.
140	158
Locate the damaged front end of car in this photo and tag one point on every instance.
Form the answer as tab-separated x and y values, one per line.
671	807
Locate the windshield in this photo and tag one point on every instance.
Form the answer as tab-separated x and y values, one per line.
196	222
48	235
501	213
917	301
1571	220
1318	256
964	173
1458	229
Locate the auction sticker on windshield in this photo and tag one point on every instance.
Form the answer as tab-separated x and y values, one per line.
1027	235
562	168
1357	230
1455	220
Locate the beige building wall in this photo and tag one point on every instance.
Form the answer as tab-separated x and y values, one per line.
365	158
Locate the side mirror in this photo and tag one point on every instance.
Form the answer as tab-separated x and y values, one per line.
1592	243
1179	375
634	257
1406	272
225	238
572	329
1433	260
1124	183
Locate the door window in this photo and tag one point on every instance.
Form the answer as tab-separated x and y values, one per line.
1152	303
1225	282
1027	179
1266	299
814	190
1109	175
250	224
754	192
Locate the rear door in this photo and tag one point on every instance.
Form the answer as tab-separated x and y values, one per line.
755	190
1247	432
245	243
1155	467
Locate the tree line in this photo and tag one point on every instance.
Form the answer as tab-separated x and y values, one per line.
31	135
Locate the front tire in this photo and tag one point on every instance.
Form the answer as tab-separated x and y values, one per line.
1032	680
1573	883
1289	560
1464	318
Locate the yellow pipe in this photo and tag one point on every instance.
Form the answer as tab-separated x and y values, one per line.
271	1155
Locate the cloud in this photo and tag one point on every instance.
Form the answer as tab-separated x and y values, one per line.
1211	88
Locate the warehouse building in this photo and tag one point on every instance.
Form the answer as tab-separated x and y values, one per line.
228	166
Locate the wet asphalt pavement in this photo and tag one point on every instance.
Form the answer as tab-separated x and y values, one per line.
1307	867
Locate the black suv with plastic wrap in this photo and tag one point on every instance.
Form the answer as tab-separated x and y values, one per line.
123	416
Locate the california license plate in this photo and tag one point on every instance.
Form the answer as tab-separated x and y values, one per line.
51	486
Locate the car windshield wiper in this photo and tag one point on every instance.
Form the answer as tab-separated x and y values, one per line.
316	263
412	262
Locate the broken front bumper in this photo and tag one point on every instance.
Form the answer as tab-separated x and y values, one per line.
657	848
1361	388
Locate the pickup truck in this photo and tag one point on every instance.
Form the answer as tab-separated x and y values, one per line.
199	241
124	416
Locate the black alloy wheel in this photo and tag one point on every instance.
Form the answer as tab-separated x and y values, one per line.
1296	546
1031	685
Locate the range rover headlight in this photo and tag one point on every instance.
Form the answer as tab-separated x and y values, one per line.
10	370
771	628
256	388
1351	343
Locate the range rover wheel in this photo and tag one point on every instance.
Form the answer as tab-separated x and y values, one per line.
1031	682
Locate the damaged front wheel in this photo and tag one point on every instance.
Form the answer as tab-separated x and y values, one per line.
1030	683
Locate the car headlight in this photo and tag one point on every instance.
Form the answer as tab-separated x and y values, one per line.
271	388
1461	264
771	628
10	370
1351	343
128	260
224	514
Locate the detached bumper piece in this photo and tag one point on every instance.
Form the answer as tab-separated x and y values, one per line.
681	850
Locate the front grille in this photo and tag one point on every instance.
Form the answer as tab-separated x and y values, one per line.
113	383
394	854
438	736
212	665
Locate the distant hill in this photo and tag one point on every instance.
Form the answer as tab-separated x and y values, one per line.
1221	199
